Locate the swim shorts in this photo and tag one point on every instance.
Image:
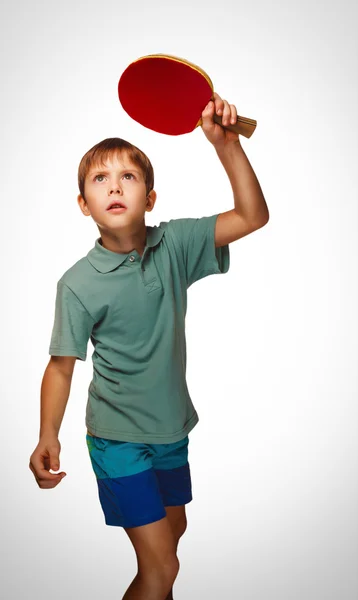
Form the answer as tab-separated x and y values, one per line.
137	480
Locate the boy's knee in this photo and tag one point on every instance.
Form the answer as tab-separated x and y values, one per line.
162	576
171	568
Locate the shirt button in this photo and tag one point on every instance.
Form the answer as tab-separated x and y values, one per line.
132	258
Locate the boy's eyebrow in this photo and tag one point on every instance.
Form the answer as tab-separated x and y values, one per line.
107	172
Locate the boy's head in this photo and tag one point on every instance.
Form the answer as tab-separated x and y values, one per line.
115	170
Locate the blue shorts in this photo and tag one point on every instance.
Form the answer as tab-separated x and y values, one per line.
137	480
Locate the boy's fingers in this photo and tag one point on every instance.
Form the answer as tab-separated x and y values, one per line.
219	106
38	467
226	113
54	462
45	474
46	480
207	116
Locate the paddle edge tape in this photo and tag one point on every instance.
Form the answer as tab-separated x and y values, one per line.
180	60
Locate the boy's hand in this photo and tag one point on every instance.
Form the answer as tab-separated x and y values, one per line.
216	134
46	457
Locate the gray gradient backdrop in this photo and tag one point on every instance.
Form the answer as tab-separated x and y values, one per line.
272	345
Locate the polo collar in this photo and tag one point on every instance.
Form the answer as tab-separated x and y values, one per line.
104	260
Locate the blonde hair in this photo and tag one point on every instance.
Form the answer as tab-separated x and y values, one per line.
100	153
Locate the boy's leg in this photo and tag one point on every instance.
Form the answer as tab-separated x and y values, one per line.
178	523
177	519
158	565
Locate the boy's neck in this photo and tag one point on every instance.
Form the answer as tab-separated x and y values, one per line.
136	241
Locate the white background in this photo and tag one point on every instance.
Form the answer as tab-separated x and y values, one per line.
272	344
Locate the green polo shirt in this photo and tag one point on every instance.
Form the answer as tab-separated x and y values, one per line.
133	309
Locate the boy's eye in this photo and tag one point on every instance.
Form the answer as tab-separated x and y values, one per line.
131	175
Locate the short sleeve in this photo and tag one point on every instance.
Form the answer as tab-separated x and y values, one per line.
196	238
72	325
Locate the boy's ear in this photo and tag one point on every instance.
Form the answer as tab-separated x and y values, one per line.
83	205
151	198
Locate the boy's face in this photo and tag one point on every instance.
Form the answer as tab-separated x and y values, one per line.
119	181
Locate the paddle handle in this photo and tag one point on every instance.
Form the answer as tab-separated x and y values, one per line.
243	126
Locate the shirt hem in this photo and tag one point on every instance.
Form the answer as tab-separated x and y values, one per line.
151	438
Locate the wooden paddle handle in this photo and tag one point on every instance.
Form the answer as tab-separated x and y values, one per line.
244	126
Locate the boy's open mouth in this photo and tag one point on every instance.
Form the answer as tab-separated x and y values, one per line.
116	206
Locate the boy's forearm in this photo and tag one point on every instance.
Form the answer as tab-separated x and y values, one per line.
248	197
55	390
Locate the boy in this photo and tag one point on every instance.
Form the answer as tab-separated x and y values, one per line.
129	296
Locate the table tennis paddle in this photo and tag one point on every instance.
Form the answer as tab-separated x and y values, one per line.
168	94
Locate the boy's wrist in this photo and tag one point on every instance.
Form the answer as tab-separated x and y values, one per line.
48	432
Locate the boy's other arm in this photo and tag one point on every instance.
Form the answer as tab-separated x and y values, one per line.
55	391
